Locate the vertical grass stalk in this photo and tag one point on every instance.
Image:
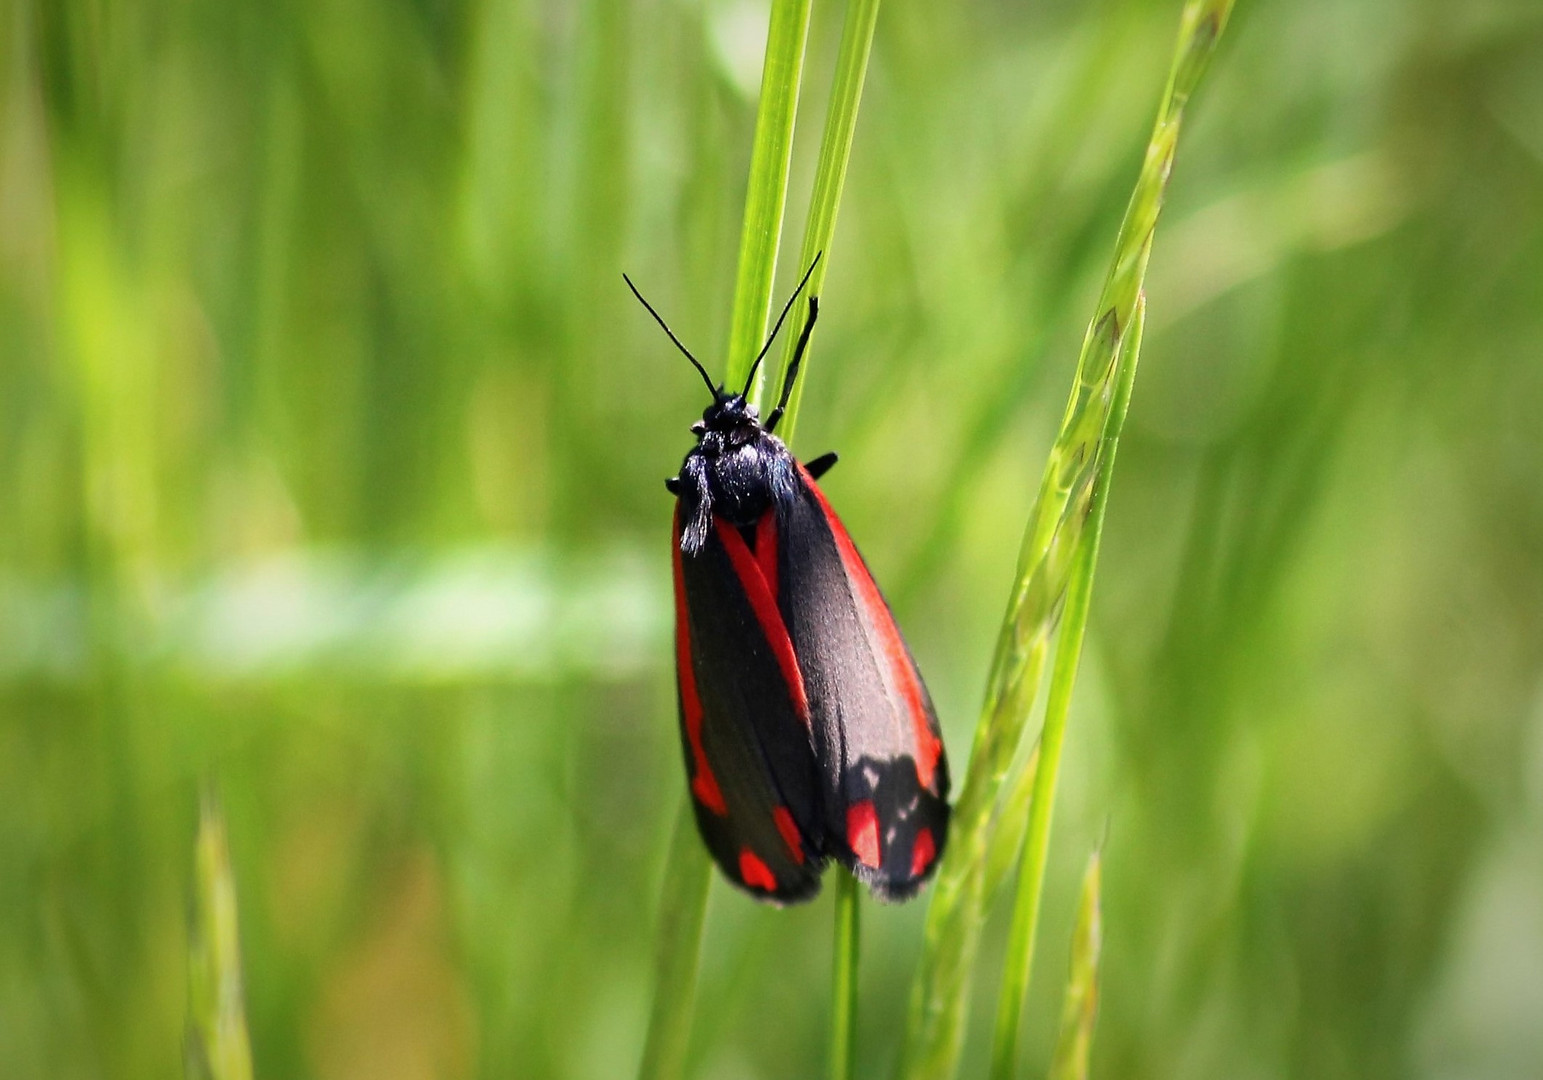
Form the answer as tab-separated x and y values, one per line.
830	172
677	945
687	874
1079	1009
843	983
1053	545
217	1046
1063	676
767	192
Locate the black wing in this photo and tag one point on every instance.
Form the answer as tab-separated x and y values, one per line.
744	716
876	735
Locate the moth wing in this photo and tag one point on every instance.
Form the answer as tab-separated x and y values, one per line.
744	719
883	771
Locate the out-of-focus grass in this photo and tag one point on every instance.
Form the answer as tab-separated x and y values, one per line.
217	1047
1056	563
1079	1010
330	292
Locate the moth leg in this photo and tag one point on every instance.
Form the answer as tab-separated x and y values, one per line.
820	465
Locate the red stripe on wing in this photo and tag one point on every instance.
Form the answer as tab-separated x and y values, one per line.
704	785
902	675
766	549
789	830
764	603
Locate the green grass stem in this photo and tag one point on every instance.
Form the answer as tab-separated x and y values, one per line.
677	947
1010	827
843	984
1052	547
1063	676
766	195
819	236
217	1046
830	173
688	874
1079	1008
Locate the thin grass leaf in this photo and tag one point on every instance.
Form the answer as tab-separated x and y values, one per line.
1063	677
843	1021
819	236
217	1047
1009	827
688	874
1052	544
677	947
1079	1008
830	173
766	195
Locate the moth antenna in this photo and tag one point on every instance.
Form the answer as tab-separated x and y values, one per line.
785	309
713	390
798	358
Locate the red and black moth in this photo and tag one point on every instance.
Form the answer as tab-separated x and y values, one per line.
808	732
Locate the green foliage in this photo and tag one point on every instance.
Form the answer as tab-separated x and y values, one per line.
1059	552
842	1064
1063	676
830	175
218	1047
1079	1010
677	945
330	459
766	195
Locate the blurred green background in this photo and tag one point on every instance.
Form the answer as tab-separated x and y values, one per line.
331	450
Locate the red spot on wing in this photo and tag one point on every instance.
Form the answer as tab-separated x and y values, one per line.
763	601
754	872
704	785
923	850
902	675
789	830
863	832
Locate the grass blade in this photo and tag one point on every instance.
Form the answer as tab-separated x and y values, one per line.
688	874
843	1019
1036	842
218	1047
819	235
830	172
1079	1009
1052	546
766	195
677	946
1009	827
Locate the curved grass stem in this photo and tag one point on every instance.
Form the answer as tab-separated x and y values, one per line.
1055	543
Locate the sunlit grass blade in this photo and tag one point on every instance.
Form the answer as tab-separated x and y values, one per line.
677	947
766	195
1079	1008
819	236
1052	546
843	983
218	1047
1063	677
830	172
1009	827
687	874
